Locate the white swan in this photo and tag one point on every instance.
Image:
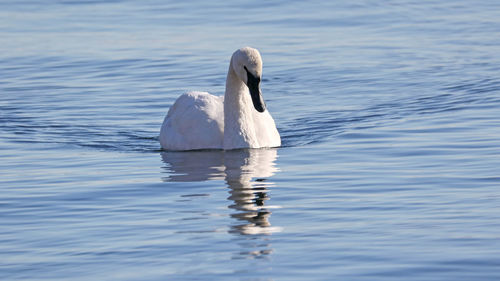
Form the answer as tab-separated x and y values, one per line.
199	120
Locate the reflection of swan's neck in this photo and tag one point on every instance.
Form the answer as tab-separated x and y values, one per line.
242	192
238	121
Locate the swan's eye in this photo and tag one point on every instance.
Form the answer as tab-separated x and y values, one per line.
251	77
250	73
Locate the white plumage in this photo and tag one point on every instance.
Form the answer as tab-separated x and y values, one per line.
199	120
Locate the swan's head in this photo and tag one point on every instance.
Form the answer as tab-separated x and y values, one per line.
247	64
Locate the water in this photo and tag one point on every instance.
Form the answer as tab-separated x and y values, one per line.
388	112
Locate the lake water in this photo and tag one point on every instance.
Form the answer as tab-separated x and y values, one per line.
389	114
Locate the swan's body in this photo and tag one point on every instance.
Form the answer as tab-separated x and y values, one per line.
199	120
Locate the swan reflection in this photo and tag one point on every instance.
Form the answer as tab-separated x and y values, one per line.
246	173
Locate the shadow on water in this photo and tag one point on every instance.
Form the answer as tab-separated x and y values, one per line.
246	174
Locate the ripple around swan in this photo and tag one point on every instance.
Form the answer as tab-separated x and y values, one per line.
321	126
46	108
21	125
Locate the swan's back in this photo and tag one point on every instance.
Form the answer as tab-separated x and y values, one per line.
195	121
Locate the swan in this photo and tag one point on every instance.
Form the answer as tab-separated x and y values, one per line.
239	119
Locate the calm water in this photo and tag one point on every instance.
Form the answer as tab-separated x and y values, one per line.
389	114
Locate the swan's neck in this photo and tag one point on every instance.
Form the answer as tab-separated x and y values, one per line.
238	120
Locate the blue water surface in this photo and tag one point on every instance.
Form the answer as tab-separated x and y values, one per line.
388	112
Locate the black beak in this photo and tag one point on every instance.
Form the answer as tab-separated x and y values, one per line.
253	84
